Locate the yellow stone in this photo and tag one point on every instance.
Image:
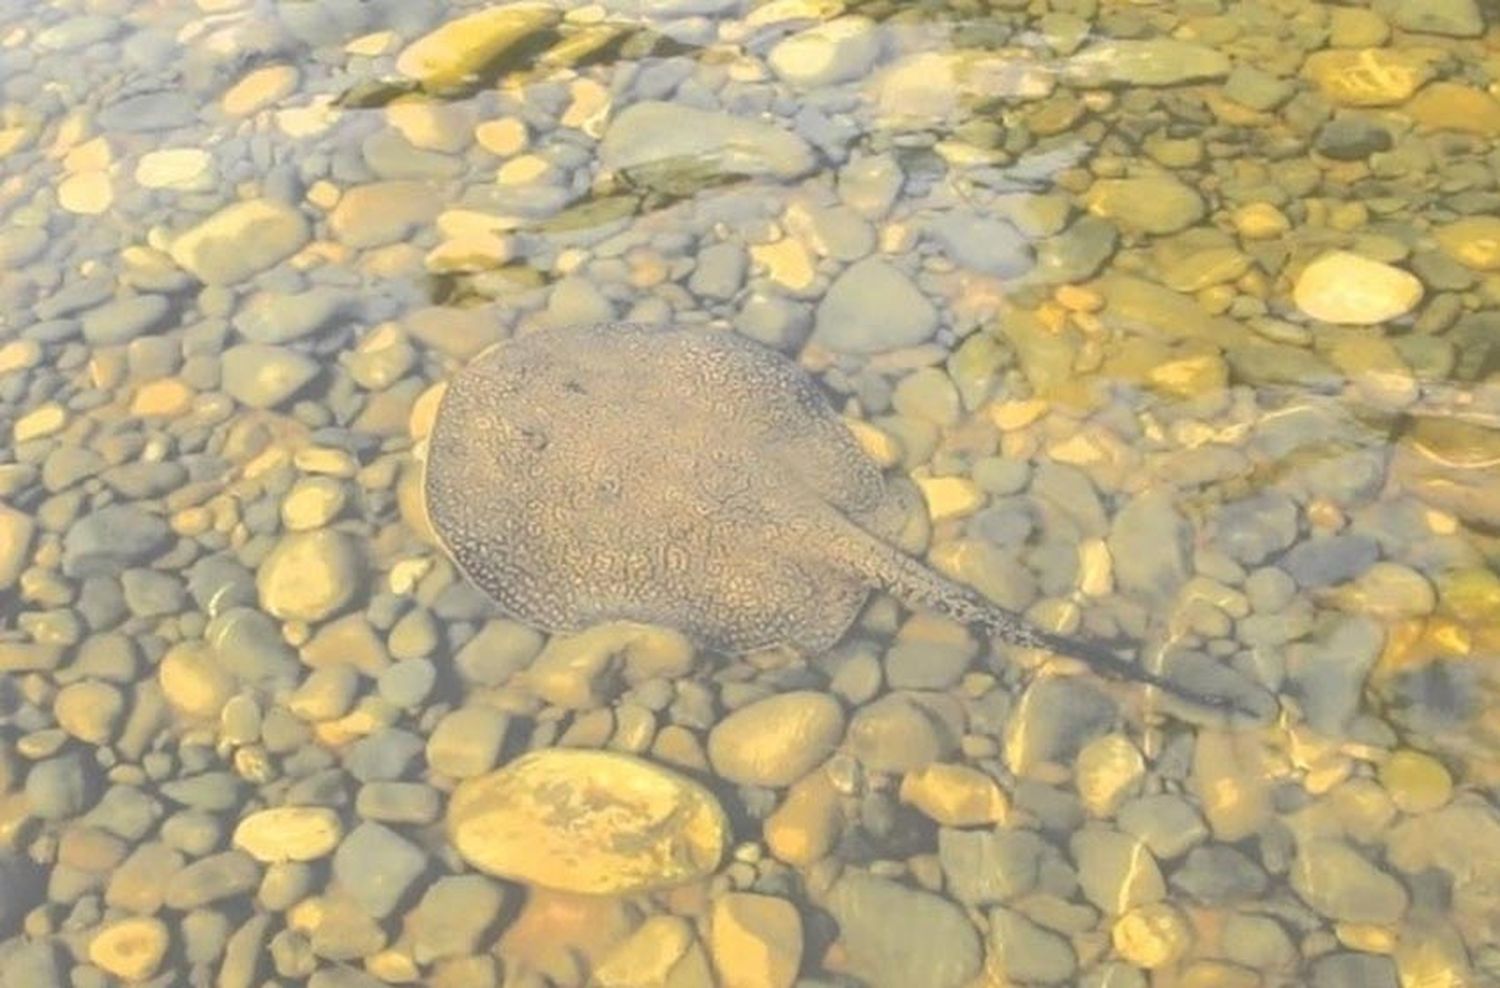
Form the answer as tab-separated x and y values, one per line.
950	497
1450	106
524	170
1366	937
456	52
1095	568
326	460
371	45
86	193
807	824
1152	936
289	833
954	795
324	194
19	355
424	411
260	89
1341	287
1473	241
591	822
1109	770
1261	221
1009	416
786	262
193	681
1191	376
1368	76
45	420
90	156
588	108
434	126
1232	780
663	951
12	139
878	444
1078	298
755	941
474	252
502	137
166	397
130	949
173	168
1417	782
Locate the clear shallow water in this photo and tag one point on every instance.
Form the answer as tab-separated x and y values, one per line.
1179	317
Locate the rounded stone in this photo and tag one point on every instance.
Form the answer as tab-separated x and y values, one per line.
193	682
1417	782
776	741
90	711
130	949
1152	936
310	576
1340	287
590	822
289	833
241	240
1473	241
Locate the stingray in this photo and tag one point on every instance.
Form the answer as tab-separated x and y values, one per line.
687	478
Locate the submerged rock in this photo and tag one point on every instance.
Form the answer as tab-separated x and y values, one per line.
591	822
655	133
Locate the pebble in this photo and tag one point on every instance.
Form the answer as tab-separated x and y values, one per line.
872	307
895	937
90	711
87	193
1452	18
59	787
263	376
212	879
125	319
1343	885
1154	62
651	132
776	741
1028	952
193	682
1117	871
983	867
130	949
310	576
467	742
1367	77
289	833
240	240
954	795
1155	205
454	915
894	734
381	213
452	55
1152	936
16	533
284	317
838	51
259	89
755	941
1149	541
108	541
1473	241
1417	782
184	169
987	245
378	867
1341	287
588	822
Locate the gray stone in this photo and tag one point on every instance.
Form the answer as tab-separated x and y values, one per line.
378	867
1152	62
497	652
1341	884
386	755
112	539
264	376
125	319
398	802
406	684
986	245
166	110
1116	871
226	875
61	787
896	937
1027	952
1056	717
1330	560
1219	875
453	916
895	734
983	867
1455	18
1167	824
1328	676
1150	543
1076	254
276	318
149	593
650	133
1257	88
1352	138
467	742
1349	970
720	271
872	307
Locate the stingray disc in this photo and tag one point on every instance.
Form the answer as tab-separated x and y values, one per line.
673	476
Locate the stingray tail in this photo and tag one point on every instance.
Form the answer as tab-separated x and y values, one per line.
916	585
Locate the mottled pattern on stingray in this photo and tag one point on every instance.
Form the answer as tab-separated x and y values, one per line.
674	476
